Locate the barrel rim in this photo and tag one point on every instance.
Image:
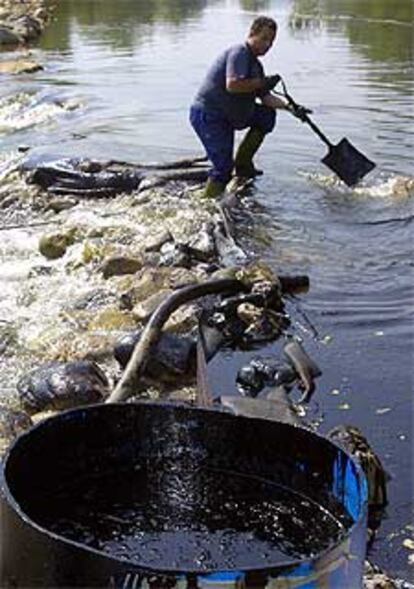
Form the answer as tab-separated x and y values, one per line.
270	569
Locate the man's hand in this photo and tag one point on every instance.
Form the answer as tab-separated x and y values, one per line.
270	82
299	111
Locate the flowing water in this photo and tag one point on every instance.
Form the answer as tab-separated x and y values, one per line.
117	83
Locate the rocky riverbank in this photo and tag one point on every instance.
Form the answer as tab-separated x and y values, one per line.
99	259
21	24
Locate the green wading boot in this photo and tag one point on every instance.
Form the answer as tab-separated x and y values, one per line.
243	163
213	189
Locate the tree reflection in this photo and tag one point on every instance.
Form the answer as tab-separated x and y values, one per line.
391	39
120	23
255	5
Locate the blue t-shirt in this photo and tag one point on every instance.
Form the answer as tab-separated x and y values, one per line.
236	62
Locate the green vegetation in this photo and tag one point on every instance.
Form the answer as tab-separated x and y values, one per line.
121	23
380	29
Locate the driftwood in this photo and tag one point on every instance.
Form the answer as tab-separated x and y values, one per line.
152	331
174	165
92	179
197	175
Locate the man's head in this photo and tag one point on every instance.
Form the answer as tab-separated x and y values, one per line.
262	34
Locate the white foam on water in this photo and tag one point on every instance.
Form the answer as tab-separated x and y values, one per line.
24	110
9	162
397	186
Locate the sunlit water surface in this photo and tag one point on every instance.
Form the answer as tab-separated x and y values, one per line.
117	83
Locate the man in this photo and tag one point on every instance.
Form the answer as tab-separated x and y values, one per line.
226	102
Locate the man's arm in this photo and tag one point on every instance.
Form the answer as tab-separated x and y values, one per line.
275	102
243	86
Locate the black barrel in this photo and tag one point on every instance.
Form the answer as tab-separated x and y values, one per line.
150	495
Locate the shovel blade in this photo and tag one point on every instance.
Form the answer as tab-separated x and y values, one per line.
347	162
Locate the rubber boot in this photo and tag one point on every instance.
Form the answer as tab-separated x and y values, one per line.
213	188
243	163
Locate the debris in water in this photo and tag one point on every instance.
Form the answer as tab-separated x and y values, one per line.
408	543
382	410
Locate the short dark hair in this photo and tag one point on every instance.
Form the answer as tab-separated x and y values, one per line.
262	22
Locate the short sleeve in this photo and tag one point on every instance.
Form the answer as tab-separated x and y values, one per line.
238	64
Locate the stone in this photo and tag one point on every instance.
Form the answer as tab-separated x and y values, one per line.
58	205
62	385
12	423
54	245
173	357
19	66
143	311
155	242
111	319
27	27
8	36
119	265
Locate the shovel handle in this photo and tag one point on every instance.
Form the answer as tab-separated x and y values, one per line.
306	117
316	129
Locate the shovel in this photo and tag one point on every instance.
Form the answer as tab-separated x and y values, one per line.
344	159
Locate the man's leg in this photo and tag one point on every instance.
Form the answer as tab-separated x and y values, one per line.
217	137
262	122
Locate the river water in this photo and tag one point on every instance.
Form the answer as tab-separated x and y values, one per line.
133	68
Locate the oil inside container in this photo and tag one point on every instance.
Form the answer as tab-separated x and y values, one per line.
196	520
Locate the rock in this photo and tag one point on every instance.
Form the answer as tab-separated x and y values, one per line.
61	204
41	14
96	346
230	272
8	36
229	253
253	377
257	271
111	319
143	311
150	281
119	265
173	357
27	27
250	380
8	336
12	423
54	245
19	66
183	320
155	243
175	254
96	298
61	385
203	246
